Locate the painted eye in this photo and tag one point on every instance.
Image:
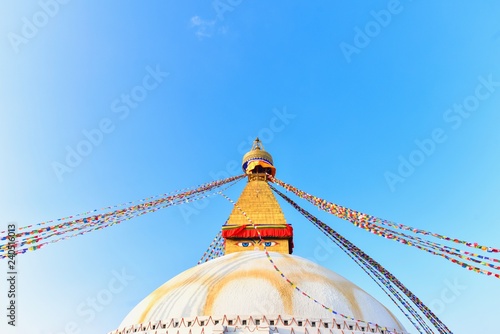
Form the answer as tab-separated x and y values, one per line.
244	244
269	243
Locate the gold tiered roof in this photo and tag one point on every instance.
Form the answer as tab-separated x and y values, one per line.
262	211
259	203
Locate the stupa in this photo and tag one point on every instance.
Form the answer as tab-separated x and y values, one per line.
244	291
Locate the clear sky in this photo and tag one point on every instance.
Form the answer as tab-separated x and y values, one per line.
387	107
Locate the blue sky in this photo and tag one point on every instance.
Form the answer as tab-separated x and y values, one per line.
387	107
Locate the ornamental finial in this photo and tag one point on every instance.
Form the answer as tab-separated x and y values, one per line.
257	160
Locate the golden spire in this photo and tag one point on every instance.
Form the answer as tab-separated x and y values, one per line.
262	211
257	160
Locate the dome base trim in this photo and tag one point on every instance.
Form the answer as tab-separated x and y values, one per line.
258	324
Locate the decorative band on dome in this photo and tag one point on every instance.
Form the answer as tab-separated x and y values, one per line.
284	231
256	159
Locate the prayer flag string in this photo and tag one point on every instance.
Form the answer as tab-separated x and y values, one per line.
294	286
384	276
376	225
38	237
215	250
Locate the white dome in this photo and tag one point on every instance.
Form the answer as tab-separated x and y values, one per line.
247	283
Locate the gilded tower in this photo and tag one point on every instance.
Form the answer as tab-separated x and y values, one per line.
267	225
251	291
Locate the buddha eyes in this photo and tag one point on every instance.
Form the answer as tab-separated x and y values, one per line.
269	243
246	244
